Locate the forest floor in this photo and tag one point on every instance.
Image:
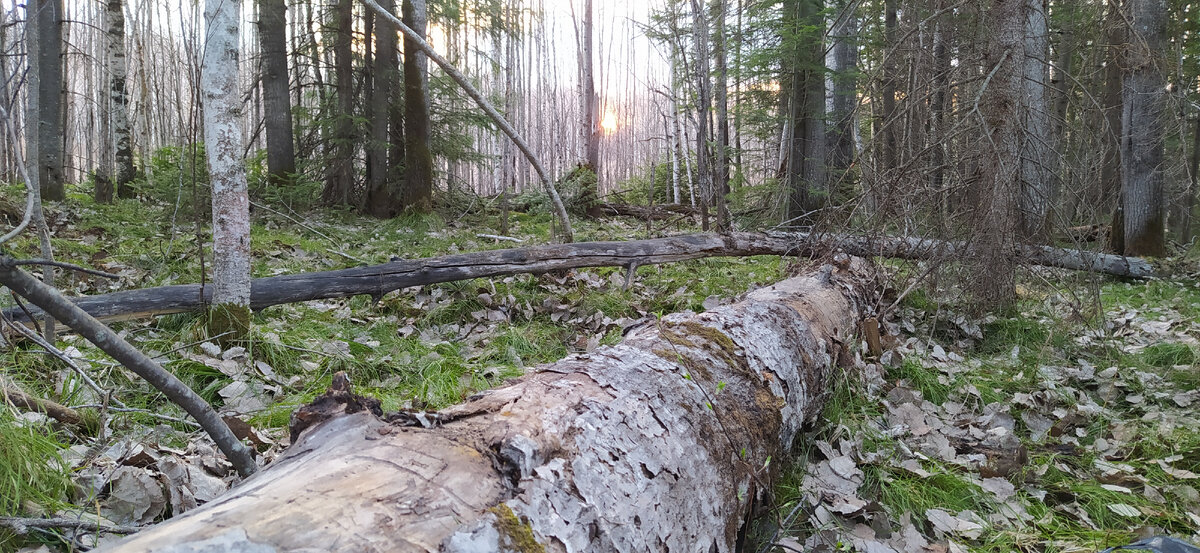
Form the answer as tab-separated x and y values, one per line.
1064	424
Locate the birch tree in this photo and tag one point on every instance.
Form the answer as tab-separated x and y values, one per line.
230	311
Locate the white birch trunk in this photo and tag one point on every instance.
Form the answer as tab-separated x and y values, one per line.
223	145
660	443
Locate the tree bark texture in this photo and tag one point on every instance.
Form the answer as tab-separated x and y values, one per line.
805	174
844	96
1109	195
661	443
721	159
277	107
378	280
703	108
1144	101
418	163
590	123
223	146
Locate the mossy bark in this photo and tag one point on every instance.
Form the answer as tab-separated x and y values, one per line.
229	322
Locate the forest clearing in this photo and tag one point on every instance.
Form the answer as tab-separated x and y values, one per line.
564	275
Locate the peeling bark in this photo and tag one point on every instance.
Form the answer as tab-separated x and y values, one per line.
661	443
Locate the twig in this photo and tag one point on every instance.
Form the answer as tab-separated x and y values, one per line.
498	237
23	525
25	310
30	192
315	231
37	339
139	411
67	266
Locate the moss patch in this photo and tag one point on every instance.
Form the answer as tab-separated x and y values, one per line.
515	534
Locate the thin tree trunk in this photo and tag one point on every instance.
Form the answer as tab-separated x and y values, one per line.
272	32
588	101
1144	102
703	87
721	165
224	150
1109	196
890	147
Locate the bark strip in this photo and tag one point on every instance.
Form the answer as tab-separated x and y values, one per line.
660	443
377	280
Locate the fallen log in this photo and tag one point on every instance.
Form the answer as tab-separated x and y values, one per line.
655	212
661	443
378	280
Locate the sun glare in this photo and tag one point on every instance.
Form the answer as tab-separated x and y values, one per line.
608	123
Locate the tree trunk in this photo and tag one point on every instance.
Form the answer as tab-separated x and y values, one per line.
339	178
1037	184
277	107
418	166
1144	100
1189	198
888	127
103	190
703	88
844	102
721	159
383	192
1002	107
379	280
1109	196
589	102
664	442
805	173
46	81
224	149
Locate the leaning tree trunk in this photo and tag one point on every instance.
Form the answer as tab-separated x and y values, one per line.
663	442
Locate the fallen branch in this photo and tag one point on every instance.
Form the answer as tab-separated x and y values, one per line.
656	212
663	442
53	302
23	525
56	411
378	280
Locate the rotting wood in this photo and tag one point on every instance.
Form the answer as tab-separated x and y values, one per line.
57	411
663	442
378	280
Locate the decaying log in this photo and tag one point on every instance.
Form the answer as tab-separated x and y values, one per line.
378	280
660	443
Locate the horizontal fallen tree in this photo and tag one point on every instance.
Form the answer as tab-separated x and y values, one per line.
663	442
378	280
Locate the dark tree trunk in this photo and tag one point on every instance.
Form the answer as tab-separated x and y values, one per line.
703	88
721	165
805	172
418	157
1109	196
47	75
1144	101
277	108
888	130
844	102
383	190
339	178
